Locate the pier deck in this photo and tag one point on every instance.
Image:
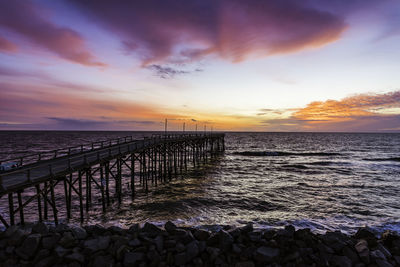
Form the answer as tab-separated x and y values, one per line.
154	159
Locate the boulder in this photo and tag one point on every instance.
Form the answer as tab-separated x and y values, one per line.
170	227
79	233
363	251
40	228
340	261
151	229
266	254
29	246
225	240
192	250
132	258
76	256
201	235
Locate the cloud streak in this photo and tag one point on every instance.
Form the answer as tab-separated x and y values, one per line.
182	31
26	18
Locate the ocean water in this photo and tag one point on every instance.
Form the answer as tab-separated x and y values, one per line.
322	181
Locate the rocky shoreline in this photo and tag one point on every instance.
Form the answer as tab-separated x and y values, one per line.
149	245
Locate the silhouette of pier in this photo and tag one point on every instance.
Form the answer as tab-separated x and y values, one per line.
97	168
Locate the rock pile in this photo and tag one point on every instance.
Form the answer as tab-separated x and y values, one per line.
149	245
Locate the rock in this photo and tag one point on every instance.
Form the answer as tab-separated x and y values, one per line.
100	243
68	240
324	248
60	252
367	235
103	261
116	230
266	254
245	264
351	254
47	262
385	251
363	251
17	237
29	246
236	249
397	260
79	233
151	229
247	228
76	256
192	250
131	258
377	254
180	247
41	254
95	230
134	242
214	252
134	228
340	261
40	228
383	263
170	227
225	240
180	259
201	235
153	257
159	242
49	242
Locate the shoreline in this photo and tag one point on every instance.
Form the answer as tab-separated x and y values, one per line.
149	245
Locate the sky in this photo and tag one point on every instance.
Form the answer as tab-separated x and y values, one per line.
227	65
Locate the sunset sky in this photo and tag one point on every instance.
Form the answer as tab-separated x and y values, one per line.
254	65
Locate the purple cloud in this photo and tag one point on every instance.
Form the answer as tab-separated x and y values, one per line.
25	18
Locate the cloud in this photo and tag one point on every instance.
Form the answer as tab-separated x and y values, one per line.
166	72
363	112
27	19
161	31
7	46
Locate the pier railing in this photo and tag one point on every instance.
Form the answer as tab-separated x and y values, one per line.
34	158
98	167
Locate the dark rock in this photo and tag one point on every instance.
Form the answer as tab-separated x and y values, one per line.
351	254
192	250
103	261
180	247
180	259
159	242
40	228
363	251
67	240
17	237
291	256
49	242
79	233
151	229
76	256
134	228
245	264
225	240
388	237
269	234
131	258
170	227
100	243
340	261
41	254
29	246
60	252
383	263
397	259
10	249
324	248
385	251
377	254
201	235
134	242
47	262
236	249
367	235
95	230
266	254
290	230
214	252
255	236
115	230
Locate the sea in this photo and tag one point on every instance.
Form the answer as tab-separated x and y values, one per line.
321	181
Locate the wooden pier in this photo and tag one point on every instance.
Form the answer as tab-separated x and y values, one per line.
97	167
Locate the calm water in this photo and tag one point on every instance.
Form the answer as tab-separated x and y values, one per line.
319	180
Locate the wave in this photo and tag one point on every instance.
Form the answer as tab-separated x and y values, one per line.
397	159
283	154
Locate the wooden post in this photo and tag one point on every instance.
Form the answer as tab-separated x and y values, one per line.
80	195
133	176
107	170
39	202
11	208
102	188
54	202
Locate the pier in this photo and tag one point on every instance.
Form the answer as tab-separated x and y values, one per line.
95	170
